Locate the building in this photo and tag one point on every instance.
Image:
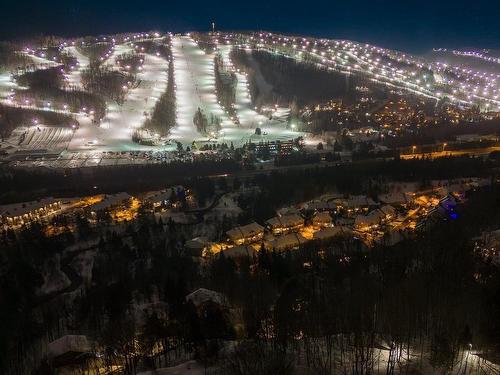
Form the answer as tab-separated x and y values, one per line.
246	234
321	206
109	201
286	242
27	212
285	223
322	220
330	232
356	203
388	211
159	198
394	198
369	221
241	251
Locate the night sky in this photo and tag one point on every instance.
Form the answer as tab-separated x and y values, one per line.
409	25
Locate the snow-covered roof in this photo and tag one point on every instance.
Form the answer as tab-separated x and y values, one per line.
393	198
388	210
240	251
287	241
285	221
19	209
359	201
245	231
373	217
68	343
160	196
202	296
330	232
322	217
197	243
320	205
110	200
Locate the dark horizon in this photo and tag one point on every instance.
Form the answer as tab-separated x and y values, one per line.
413	26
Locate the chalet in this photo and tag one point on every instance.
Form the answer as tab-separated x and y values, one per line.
285	242
388	211
159	198
109	201
246	234
285	223
394	198
356	203
27	212
241	251
369	221
330	232
322	220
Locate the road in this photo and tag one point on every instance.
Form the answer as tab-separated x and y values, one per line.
440	154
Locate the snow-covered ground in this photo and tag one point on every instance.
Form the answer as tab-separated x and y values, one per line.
75	77
115	131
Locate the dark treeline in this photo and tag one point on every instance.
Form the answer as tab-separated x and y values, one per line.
109	83
41	78
299	158
205	42
34	184
302	184
163	117
225	86
95	51
204	124
12	117
47	86
57	54
154	47
130	61
73	100
10	58
295	81
444	132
